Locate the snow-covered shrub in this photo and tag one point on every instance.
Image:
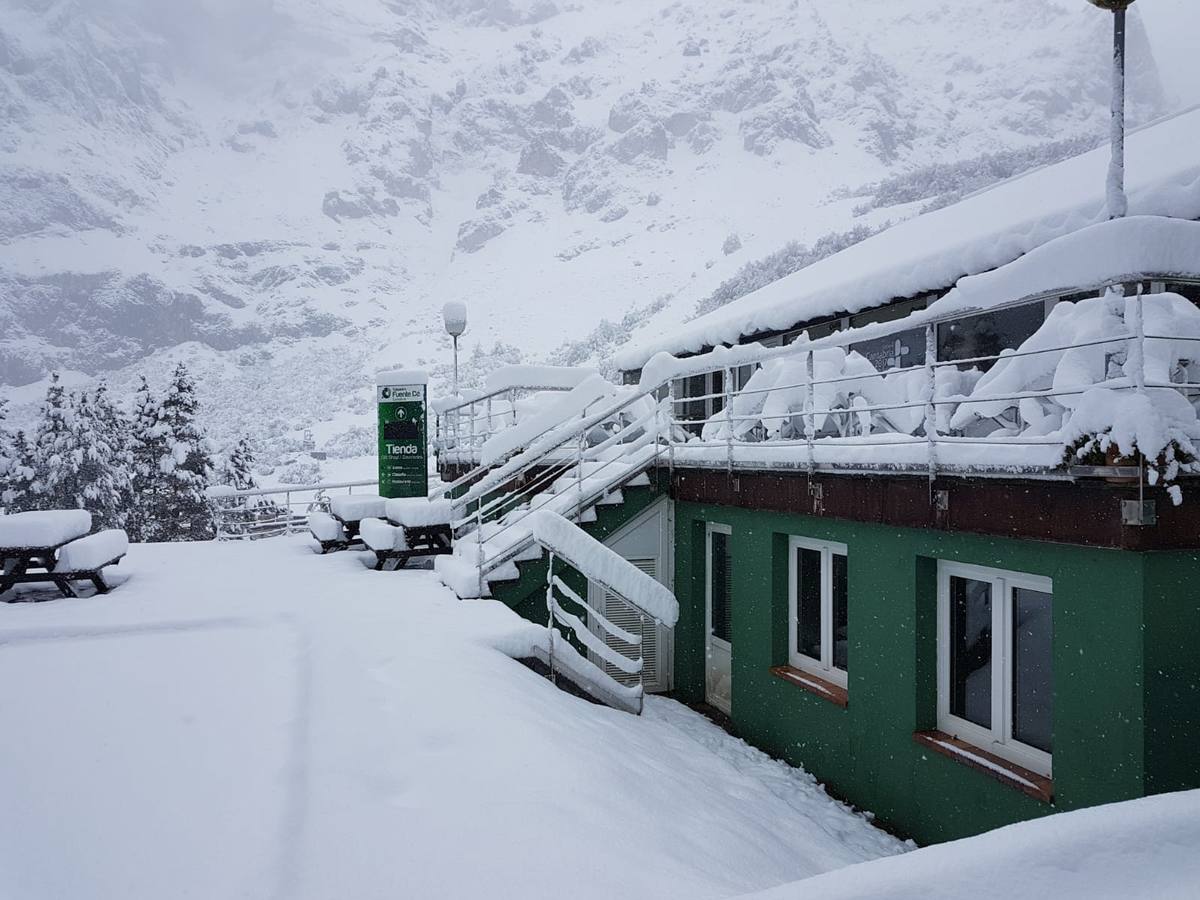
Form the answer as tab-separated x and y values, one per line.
300	471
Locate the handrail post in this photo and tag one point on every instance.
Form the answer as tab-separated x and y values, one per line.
931	431
472	410
512	404
728	380
479	544
641	659
550	611
287	504
1137	348
579	471
671	428
810	404
489	414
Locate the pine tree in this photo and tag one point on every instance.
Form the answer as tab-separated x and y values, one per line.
188	463
57	454
102	477
238	471
5	441
18	488
149	483
7	463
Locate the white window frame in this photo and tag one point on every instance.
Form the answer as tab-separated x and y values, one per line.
998	739
710	529
822	667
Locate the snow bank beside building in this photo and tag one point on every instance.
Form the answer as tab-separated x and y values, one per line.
254	720
1141	848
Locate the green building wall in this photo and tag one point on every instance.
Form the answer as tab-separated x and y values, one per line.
1118	733
1126	663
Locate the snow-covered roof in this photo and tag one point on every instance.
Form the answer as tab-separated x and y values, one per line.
977	234
401	378
1112	251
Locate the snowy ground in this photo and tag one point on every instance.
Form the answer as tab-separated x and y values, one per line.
257	721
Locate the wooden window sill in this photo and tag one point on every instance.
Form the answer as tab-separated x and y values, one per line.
826	690
1039	787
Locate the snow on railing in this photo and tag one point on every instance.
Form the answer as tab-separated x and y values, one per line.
647	598
1103	382
1090	379
272	511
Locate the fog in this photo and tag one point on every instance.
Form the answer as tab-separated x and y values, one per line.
1174	29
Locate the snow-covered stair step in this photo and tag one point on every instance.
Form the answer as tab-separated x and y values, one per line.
613	498
462	576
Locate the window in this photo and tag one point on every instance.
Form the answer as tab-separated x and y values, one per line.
896	351
720	583
817	609
995	662
989	333
703	396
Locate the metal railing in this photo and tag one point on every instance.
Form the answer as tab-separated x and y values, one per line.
465	427
274	511
735	440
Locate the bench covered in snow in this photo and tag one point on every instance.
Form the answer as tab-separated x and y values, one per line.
338	529
57	543
415	527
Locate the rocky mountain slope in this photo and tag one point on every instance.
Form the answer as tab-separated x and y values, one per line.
284	192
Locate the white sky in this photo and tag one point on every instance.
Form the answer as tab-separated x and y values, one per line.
1174	29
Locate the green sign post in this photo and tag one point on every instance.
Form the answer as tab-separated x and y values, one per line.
403	434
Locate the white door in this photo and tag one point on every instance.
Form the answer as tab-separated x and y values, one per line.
645	542
718	620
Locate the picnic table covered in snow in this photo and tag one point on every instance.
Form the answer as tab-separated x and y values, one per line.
56	546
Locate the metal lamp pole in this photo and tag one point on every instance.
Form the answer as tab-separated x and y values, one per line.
1118	203
454	316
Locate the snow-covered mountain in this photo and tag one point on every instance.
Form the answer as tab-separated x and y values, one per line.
284	192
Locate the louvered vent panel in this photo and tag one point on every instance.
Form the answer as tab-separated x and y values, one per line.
622	614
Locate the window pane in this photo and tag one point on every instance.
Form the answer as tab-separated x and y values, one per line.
1033	672
808	602
721	587
989	333
717	387
896	351
840	613
971	650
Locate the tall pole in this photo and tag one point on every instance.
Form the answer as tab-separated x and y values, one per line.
1118	203
455	385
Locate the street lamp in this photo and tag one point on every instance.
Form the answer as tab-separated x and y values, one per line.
1118	204
454	315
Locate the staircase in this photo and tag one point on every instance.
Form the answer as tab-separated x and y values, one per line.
558	472
586	476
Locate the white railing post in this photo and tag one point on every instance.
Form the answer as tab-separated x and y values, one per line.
472	410
641	659
479	560
671	427
489	415
728	421
512	403
287	505
550	610
579	472
810	404
1137	345
931	430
